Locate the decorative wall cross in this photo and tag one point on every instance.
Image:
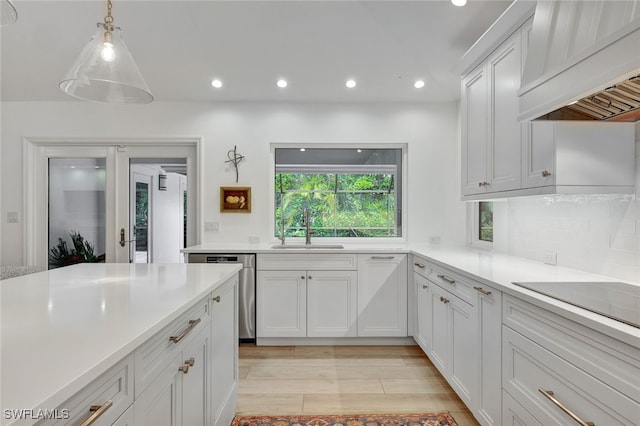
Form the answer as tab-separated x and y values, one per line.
235	159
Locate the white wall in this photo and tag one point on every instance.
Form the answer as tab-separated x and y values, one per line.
594	233
430	130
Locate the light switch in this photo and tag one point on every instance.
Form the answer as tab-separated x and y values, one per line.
13	217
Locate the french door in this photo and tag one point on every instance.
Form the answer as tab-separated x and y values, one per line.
84	197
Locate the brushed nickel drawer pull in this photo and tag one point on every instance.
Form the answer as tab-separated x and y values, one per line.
444	299
419	265
445	278
97	410
192	325
217	299
483	291
549	395
381	257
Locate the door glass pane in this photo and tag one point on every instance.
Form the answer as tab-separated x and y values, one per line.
77	211
142	223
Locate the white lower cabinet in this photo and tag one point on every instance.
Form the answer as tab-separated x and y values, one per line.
458	327
306	303
561	371
179	396
331	303
126	419
224	355
423	312
104	400
454	348
382	295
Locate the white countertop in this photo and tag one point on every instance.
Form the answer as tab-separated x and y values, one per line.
493	269
61	329
500	271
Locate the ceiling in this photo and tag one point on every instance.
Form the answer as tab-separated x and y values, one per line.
180	46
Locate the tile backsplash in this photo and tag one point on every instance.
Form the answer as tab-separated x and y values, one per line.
594	233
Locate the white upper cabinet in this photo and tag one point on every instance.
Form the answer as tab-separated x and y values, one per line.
503	157
579	157
491	135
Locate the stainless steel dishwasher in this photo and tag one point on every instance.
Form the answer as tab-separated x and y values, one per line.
247	289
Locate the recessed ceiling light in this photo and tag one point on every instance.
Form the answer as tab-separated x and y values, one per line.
216	83
359	150
302	149
350	84
282	83
459	2
419	84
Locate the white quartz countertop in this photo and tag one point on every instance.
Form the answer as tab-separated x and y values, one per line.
500	271
492	269
61	329
221	248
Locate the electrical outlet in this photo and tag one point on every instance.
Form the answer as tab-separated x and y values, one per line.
13	217
550	257
211	226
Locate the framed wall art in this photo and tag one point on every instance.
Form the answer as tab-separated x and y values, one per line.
235	199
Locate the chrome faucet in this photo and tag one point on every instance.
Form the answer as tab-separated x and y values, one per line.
307	224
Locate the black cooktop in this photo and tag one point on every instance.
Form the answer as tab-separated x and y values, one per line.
616	300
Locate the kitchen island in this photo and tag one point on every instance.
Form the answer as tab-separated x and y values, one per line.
63	329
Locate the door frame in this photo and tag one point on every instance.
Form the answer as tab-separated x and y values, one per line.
37	150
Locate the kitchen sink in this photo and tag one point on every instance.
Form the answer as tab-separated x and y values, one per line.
307	247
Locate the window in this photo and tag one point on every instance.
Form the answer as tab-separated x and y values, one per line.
350	192
485	221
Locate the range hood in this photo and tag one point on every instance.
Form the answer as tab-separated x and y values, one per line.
583	62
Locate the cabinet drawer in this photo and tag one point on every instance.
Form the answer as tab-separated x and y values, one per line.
420	266
116	386
306	261
453	283
153	355
529	370
610	360
513	414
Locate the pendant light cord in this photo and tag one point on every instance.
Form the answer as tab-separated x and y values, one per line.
108	23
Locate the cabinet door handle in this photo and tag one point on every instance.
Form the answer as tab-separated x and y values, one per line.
97	410
546	173
310	277
483	291
419	265
217	299
184	369
444	299
190	362
302	277
447	279
425	286
549	395
381	257
192	325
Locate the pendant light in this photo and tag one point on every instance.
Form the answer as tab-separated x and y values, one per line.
8	13
105	71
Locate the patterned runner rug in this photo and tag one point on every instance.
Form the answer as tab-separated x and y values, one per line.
430	419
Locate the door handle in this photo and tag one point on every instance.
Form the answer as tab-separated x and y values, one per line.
122	240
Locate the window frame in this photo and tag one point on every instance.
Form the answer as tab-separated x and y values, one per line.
473	226
273	237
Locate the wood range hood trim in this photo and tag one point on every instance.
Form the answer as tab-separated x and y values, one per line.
576	50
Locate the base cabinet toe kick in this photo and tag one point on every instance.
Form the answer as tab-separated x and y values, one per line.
184	375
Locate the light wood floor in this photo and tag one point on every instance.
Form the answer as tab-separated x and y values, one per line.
343	379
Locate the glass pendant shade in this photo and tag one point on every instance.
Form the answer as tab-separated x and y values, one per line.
8	13
105	71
